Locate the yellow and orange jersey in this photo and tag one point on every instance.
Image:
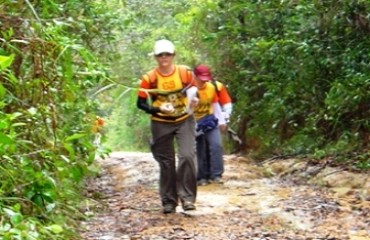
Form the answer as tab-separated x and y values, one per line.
207	96
167	89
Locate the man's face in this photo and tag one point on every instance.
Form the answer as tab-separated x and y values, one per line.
164	59
199	83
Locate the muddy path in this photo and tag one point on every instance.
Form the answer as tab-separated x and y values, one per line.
251	204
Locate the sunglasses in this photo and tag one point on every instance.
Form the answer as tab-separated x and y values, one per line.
164	54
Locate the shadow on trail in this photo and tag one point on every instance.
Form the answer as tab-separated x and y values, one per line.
249	205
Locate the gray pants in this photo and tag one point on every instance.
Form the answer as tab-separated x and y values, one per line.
175	183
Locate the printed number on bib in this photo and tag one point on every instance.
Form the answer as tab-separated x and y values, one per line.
168	85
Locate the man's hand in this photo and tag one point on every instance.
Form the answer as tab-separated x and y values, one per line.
167	108
194	102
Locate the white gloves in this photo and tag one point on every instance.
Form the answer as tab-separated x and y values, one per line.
167	108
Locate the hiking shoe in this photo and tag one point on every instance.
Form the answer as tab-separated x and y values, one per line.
202	182
168	208
217	180
187	206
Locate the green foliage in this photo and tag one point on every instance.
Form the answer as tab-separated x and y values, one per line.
51	59
15	225
128	127
298	69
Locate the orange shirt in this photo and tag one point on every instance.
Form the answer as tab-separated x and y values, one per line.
207	96
223	94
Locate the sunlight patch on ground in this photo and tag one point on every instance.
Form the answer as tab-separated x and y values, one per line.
255	195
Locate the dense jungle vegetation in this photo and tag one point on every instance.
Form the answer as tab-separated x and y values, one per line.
299	71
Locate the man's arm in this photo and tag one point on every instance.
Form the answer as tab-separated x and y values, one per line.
142	98
227	108
223	94
225	101
142	104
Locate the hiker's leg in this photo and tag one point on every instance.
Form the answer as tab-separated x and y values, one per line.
162	147
207	161
187	166
215	153
202	157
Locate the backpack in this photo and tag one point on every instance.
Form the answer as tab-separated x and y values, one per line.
233	98
183	72
213	81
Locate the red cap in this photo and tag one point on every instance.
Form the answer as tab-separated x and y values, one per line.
203	72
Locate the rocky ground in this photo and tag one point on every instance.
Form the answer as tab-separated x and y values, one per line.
279	199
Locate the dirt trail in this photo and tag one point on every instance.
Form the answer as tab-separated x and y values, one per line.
248	205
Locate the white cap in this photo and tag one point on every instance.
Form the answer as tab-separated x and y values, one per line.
163	46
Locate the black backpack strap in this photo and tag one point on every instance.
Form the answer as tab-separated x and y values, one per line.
215	84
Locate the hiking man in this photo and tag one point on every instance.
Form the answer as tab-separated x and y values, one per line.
162	94
209	117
